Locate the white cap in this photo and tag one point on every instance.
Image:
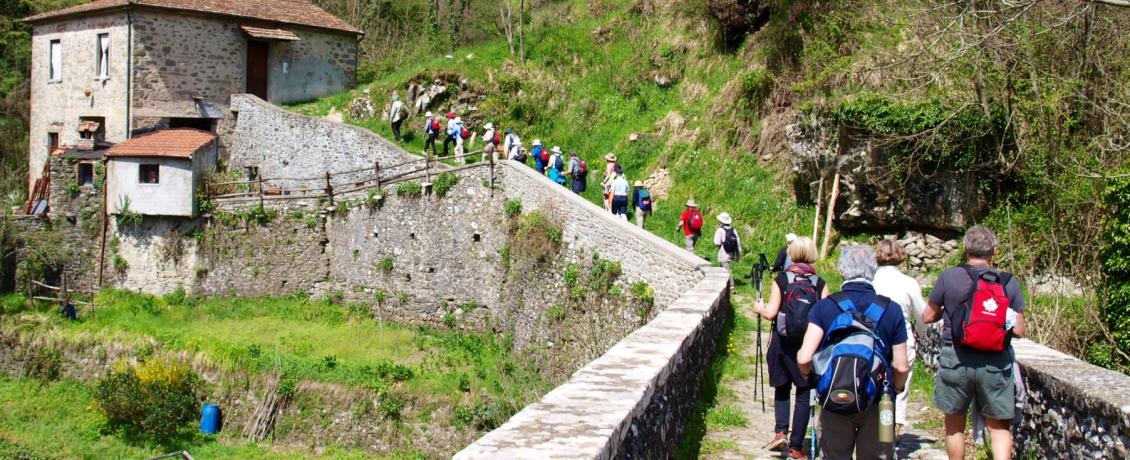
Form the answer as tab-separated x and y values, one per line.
725	218
429	114
537	141
790	237
489	126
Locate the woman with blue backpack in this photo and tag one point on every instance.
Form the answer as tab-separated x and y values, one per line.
791	296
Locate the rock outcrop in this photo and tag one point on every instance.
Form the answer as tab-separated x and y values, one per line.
736	18
873	196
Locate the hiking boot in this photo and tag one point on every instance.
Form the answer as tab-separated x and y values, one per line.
779	440
793	453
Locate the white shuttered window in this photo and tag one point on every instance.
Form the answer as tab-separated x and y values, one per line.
56	60
103	55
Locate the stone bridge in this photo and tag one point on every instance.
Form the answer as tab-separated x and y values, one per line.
634	399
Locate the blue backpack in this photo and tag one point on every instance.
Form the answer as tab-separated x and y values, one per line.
645	200
850	366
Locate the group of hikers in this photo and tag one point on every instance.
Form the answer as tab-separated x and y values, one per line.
852	352
572	172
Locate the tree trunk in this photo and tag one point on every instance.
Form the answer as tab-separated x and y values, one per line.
506	11
522	31
831	213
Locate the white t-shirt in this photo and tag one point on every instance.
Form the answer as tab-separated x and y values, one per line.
620	186
394	111
904	290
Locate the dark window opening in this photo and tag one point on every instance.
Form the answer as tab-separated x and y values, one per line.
477	237
203	124
86	173
411	236
92	128
52	142
149	174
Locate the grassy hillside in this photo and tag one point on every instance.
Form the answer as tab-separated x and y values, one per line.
923	78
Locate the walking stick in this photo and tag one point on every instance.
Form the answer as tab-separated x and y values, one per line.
759	378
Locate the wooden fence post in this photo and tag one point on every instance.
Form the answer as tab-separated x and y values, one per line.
259	178
329	189
377	173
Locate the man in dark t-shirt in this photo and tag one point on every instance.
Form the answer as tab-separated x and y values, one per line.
966	375
843	435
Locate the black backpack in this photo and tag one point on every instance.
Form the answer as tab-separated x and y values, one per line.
797	299
730	243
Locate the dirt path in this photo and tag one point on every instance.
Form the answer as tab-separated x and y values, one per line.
747	442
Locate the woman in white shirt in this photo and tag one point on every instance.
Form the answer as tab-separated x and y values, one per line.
892	283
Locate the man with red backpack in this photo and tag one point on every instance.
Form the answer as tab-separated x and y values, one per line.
981	308
691	225
578	171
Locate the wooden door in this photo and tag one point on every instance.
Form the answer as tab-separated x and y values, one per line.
257	74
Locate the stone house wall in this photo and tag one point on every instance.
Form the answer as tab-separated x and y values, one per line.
321	63
58	105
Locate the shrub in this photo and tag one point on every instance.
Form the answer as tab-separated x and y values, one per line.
385	264
127	218
410	189
390	405
513	208
756	87
555	313
155	399
443	183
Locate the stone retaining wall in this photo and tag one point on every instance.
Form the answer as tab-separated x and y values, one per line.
632	402
1074	409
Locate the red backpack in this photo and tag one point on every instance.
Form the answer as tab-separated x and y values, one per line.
979	322
695	220
497	138
544	155
435	125
582	167
465	133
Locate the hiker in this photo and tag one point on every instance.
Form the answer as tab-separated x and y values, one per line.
512	142
851	333
451	133
726	238
782	260
541	156
642	201
893	284
491	141
620	190
606	181
460	134
396	115
791	297
578	171
690	222
555	169
517	153
431	129
976	359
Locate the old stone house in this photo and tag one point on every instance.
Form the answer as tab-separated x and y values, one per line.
109	69
157	174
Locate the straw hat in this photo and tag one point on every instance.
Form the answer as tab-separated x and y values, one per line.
429	114
555	149
610	157
537	141
790	237
725	219
489	126
639	183
691	203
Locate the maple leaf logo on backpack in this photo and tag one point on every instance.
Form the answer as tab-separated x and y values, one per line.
990	305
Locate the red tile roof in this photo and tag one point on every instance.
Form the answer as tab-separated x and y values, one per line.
270	34
297	12
172	143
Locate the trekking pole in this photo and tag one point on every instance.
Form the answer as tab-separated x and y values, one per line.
759	377
814	402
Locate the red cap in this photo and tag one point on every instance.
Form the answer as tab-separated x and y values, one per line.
450	114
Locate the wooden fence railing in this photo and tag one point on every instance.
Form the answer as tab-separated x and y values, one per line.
338	183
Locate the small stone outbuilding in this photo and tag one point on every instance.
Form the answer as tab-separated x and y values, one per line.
158	174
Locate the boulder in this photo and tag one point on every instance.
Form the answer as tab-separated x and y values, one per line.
872	199
362	108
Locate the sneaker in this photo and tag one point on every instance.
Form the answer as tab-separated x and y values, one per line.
793	453
779	440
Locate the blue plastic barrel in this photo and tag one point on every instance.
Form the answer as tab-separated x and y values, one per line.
210	419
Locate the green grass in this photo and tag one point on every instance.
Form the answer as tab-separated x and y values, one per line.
59	420
726	416
714	446
314	340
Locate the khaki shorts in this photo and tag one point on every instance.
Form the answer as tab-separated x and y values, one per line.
967	376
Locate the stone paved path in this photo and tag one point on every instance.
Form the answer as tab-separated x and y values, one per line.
746	442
